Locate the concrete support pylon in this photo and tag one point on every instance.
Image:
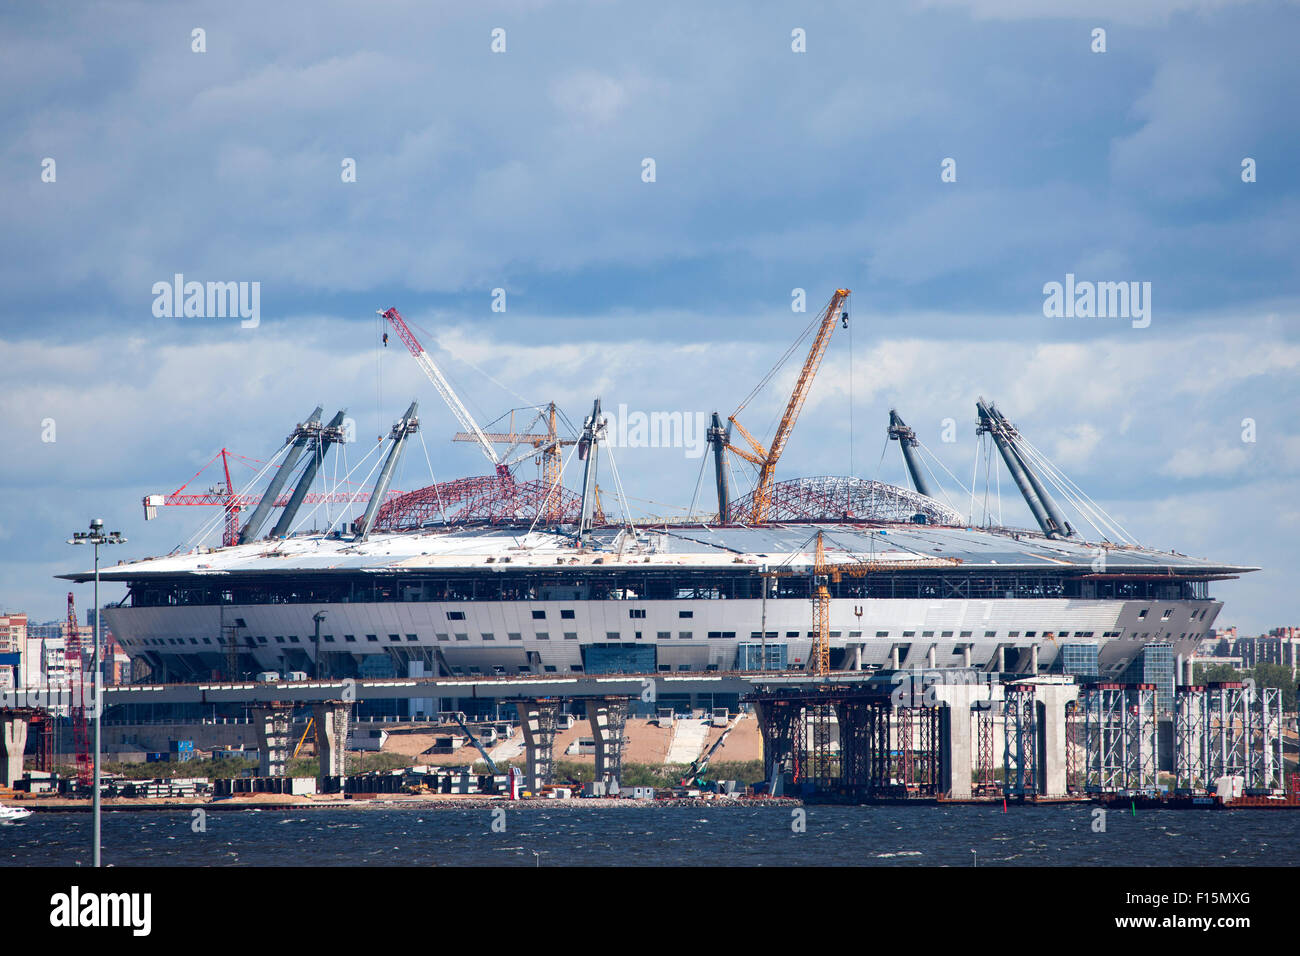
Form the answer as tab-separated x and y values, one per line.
1051	699
957	745
537	719
608	716
13	741
330	718
272	722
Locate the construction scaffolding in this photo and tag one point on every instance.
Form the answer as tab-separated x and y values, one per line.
1267	767
824	763
883	752
1228	729
608	717
1140	736
1074	747
1120	740
538	718
1190	744
1020	741
864	744
985	779
917	767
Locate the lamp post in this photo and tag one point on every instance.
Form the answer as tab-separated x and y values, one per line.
95	536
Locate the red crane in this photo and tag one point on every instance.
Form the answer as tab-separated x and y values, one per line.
223	497
74	665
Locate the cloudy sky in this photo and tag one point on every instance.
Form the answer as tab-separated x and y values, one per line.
774	170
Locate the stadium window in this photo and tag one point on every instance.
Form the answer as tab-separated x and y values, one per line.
637	612
539	615
455	615
543	636
566	614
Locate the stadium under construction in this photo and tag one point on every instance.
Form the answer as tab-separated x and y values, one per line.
492	577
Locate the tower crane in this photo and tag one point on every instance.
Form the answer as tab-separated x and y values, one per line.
75	665
766	458
548	444
823	573
232	503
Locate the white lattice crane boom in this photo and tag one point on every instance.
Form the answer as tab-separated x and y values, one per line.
444	388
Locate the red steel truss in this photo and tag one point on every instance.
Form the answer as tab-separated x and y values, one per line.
487	498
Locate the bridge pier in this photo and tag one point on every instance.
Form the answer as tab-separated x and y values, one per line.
1051	700
608	717
13	741
537	719
330	718
272	722
963	705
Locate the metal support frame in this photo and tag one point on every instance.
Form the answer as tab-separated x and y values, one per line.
864	746
1226	734
985	773
823	764
1190	772
1020	741
1266	759
1074	746
883	751
1140	738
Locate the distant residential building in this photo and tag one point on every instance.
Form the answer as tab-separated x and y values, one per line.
13	643
1270	648
46	662
117	664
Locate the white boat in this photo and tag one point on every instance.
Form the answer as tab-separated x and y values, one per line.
13	814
